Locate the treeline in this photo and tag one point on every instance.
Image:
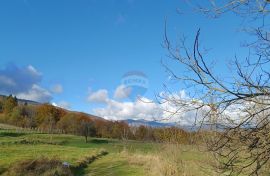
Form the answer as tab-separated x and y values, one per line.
51	119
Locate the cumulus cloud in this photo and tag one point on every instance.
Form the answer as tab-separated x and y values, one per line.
15	79
36	93
147	109
117	110
57	88
184	115
142	108
100	96
139	109
121	92
23	82
180	108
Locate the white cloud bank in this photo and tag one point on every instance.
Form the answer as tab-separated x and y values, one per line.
24	83
122	92
36	93
100	96
139	109
142	108
166	111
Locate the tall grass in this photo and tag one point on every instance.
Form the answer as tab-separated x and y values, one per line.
173	160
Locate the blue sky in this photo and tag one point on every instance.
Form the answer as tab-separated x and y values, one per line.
67	50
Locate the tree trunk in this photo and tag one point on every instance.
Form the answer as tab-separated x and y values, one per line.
85	138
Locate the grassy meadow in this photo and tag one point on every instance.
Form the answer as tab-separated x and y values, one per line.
100	157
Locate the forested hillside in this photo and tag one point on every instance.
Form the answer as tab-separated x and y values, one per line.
50	119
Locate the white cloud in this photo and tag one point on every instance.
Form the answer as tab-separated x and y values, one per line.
33	70
122	92
148	110
142	108
24	83
62	104
100	96
57	89
139	109
4	80
36	93
14	79
180	108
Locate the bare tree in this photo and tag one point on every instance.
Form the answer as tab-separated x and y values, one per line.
236	108
87	129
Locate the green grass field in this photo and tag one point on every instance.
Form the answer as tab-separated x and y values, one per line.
124	157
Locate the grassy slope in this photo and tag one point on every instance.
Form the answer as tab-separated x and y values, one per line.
65	147
138	159
114	165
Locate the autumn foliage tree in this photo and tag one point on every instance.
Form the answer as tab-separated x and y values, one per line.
9	103
51	119
68	123
48	116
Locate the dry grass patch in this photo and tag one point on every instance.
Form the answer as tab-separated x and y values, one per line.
173	160
41	167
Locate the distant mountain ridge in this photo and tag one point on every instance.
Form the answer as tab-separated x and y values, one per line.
143	122
156	124
22	101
